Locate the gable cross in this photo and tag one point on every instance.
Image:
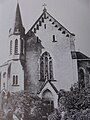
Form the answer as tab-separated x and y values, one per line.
44	5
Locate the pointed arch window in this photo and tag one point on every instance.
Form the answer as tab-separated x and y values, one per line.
22	46
51	70
10	47
14	80
46	67
16	46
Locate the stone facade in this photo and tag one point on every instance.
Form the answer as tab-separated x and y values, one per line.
43	60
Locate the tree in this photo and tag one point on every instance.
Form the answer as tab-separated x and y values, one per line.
27	106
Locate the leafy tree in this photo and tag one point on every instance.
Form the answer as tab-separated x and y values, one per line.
28	106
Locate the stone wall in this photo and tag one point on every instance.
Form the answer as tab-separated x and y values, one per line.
33	51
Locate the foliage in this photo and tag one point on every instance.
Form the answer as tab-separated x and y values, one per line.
25	106
73	104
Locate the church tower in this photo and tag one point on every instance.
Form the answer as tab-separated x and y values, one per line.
17	38
16	54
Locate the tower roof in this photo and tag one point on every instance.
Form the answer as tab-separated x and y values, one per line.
18	26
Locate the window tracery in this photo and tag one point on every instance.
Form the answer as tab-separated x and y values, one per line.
46	67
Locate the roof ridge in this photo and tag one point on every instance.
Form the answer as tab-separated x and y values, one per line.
60	24
45	12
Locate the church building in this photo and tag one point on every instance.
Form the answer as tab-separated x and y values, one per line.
43	60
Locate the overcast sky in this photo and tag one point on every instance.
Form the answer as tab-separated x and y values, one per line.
73	14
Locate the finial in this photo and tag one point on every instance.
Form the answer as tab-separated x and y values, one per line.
44	5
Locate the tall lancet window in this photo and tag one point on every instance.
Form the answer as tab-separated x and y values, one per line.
46	67
51	69
16	46
10	47
22	46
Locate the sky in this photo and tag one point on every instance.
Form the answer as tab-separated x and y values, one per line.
72	14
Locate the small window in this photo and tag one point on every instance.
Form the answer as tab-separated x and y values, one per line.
4	74
15	80
22	46
16	46
10	47
44	26
54	38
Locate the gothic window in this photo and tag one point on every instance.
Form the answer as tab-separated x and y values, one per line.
42	70
10	47
4	74
21	46
81	79
51	70
16	46
46	67
15	80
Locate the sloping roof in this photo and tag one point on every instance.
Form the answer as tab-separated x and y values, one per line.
46	15
79	56
18	26
52	85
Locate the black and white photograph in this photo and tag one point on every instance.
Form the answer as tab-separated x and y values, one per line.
44	59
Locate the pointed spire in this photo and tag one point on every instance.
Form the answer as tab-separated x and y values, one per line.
18	26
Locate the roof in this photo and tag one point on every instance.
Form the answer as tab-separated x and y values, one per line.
18	26
52	85
79	56
46	15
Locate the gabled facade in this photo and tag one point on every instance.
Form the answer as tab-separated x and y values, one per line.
43	60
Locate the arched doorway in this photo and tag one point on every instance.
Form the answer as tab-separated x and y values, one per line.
48	99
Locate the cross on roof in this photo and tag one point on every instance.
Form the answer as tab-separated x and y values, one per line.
44	5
